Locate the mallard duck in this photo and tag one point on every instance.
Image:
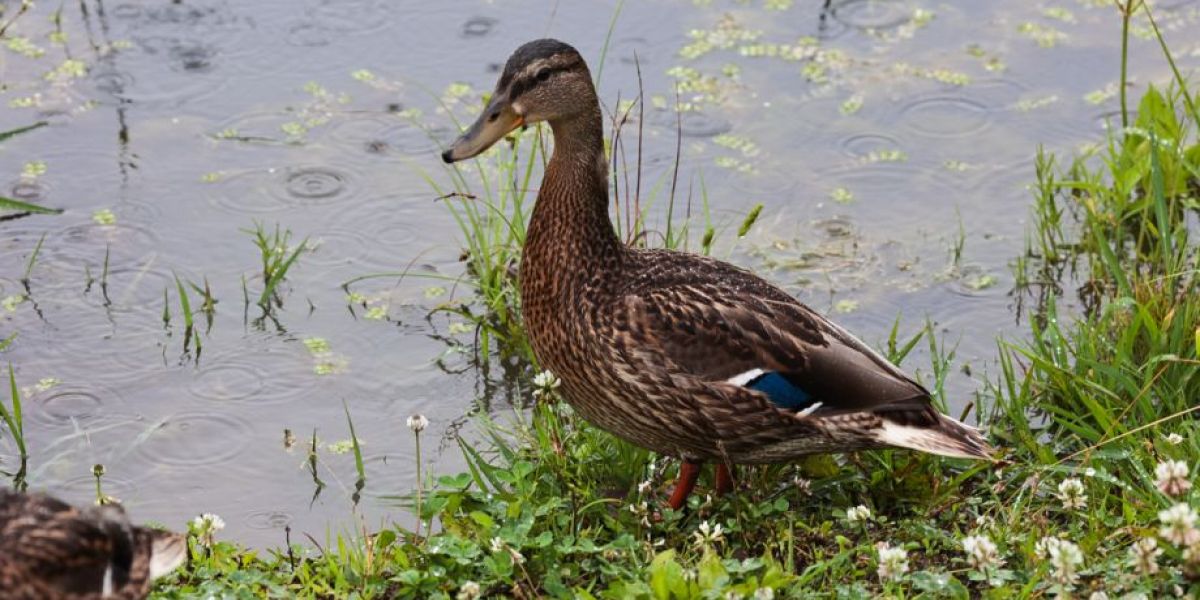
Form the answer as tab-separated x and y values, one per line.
50	550
682	354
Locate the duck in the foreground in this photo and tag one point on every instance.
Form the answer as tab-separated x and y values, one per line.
684	355
50	550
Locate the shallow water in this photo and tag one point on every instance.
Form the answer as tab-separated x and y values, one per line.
884	130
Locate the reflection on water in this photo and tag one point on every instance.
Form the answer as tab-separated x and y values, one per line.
890	140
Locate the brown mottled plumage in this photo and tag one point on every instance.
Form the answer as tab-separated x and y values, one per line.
50	550
657	346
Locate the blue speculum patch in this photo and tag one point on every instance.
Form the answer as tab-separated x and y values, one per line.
781	391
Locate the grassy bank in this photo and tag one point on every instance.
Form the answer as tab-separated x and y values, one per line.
1094	410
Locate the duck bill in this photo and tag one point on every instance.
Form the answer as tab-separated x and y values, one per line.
495	122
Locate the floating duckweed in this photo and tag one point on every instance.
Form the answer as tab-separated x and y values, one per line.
363	75
741	144
956	165
815	72
34	169
24	47
104	216
46	383
727	34
736	164
1029	104
1059	14
921	17
317	345
456	91
330	366
294	130
877	156
841	195
26	102
981	281
434	291
1044	35
459	328
227	134
355	298
1102	95
10	303
212	177
851	105
376	313
731	70
777	4
58	38
658	101
342	446
69	69
846	306
784	51
940	75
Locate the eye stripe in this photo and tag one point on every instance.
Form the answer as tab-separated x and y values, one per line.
524	84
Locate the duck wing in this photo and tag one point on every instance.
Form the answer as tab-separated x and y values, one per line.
718	322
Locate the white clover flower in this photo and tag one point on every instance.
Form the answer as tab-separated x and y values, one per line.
982	553
893	562
1098	595
1143	555
418	423
1179	525
1065	558
205	528
707	534
858	513
1071	494
469	591
497	544
764	593
641	510
1174	439
1171	477
1191	555
545	383
644	487
804	486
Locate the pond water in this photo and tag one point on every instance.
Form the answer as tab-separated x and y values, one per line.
879	135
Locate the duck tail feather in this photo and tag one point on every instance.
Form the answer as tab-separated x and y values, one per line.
947	437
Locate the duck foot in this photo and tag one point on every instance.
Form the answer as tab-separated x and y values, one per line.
688	473
725	474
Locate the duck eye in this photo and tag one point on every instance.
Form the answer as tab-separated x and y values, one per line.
492	117
542	75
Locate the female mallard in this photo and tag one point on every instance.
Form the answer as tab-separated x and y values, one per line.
50	550
682	354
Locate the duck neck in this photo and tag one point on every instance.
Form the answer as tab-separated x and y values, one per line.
570	227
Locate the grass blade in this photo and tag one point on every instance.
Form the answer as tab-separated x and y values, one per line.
25	207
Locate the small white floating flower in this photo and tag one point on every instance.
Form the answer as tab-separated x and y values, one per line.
982	553
1179	525
1072	494
469	591
205	527
1174	439
707	534
858	513
1171	477
418	423
893	562
1143	556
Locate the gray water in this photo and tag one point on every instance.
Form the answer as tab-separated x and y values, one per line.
878	134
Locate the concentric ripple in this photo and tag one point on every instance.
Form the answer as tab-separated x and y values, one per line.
478	27
268	519
946	117
259	370
692	123
195	438
68	403
875	15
